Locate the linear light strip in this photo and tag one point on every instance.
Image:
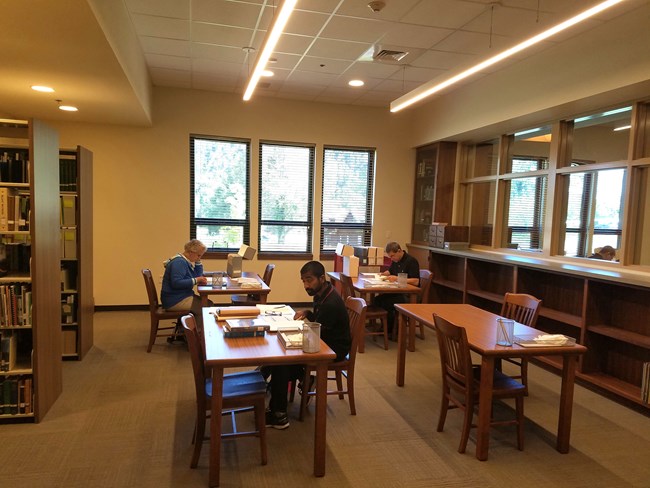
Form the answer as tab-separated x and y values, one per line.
427	89
270	40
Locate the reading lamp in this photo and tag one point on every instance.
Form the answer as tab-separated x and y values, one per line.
431	87
270	40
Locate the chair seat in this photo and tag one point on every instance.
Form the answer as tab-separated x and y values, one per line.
502	384
240	384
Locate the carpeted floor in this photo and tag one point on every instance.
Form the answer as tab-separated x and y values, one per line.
125	419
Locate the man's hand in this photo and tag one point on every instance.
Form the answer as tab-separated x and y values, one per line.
300	315
201	280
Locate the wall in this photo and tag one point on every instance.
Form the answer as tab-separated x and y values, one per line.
141	178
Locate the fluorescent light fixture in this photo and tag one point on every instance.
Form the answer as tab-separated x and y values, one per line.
270	40
68	108
623	127
431	87
356	83
43	89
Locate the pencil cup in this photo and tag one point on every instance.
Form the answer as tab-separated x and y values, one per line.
401	279
505	331
311	337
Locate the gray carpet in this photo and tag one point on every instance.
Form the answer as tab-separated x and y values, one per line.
125	419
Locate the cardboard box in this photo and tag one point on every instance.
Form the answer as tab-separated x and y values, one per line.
246	252
351	266
344	249
234	265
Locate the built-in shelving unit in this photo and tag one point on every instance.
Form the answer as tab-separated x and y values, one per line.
606	310
77	302
29	296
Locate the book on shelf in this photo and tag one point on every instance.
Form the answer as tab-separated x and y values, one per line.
68	210
290	339
7	351
645	383
235	312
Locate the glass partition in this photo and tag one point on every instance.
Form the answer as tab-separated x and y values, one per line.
480	199
601	137
483	158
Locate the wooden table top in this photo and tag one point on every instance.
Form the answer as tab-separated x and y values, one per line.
361	285
234	288
481	328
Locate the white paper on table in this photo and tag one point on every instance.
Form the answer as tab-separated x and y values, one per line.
273	310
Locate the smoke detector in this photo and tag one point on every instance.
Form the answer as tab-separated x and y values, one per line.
376	6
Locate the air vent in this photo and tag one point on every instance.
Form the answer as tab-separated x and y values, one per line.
389	56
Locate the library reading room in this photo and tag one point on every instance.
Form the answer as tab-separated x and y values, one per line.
328	243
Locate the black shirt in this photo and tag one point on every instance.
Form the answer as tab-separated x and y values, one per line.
331	314
408	264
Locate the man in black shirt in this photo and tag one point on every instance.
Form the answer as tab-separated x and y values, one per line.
330	312
401	262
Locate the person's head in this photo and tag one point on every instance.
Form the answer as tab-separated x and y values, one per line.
394	251
607	252
312	275
194	250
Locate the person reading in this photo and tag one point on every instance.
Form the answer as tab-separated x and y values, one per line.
329	311
401	262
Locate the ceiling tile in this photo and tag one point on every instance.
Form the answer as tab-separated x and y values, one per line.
221	34
290	44
306	23
224	12
444	59
474	43
178	9
320	65
393	11
414	35
374	69
311	77
326	6
218	53
171	77
147	25
351	29
452	14
328	48
169	62
172	47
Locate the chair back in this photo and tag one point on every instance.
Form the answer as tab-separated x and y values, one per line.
425	283
152	294
455	358
356	308
196	353
268	274
521	308
347	288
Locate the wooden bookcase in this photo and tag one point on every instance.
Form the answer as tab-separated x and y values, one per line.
77	301
606	311
434	187
33	380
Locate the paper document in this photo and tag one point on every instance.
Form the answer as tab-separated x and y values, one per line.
276	310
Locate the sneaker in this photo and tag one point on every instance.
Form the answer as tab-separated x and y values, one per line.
277	420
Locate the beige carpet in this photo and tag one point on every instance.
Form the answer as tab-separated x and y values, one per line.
125	419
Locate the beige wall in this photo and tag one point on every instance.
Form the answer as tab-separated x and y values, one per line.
141	178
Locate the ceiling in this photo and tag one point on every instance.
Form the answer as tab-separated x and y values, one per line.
202	44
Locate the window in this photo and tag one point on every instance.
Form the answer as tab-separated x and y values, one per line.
286	198
347	197
594	211
479	206
219	192
526	207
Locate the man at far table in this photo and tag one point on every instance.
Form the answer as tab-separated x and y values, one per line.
401	262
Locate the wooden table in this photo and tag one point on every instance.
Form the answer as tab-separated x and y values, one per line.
481	334
232	288
367	291
224	353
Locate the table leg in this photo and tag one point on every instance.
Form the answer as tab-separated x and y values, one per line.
320	427
411	325
401	348
204	300
484	408
215	426
566	403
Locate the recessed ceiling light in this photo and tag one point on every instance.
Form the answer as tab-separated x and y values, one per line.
68	108
44	89
267	73
356	83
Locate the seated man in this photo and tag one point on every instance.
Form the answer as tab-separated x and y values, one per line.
330	312
401	262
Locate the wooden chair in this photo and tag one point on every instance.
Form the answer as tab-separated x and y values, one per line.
252	300
524	309
376	317
426	277
461	382
356	308
242	391
157	313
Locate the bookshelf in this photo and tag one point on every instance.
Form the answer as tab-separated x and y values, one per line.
604	310
77	300
31	377
434	187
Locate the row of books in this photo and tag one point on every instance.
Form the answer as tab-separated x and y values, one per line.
14	167
14	211
8	342
16	395
645	384
249	327
15	305
67	174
